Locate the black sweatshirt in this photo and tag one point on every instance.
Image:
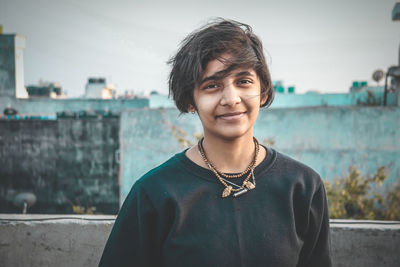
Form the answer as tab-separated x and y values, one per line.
175	216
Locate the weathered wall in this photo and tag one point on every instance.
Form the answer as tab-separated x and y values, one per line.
329	139
51	106
43	241
365	243
63	162
332	139
72	161
309	100
332	100
7	66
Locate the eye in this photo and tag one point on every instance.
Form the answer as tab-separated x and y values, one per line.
245	82
210	86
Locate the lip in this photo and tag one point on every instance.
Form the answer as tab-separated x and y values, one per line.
231	116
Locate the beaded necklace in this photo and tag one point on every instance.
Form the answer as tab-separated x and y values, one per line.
239	189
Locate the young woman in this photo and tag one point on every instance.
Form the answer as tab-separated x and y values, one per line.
228	201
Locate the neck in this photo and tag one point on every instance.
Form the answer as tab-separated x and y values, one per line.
230	156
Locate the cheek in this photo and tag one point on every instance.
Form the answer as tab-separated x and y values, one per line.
254	108
206	103
256	113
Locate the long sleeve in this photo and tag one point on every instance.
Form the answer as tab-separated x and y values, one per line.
316	248
133	240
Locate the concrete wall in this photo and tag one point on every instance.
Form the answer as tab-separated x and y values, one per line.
70	161
332	100
329	139
309	99
19	66
35	240
7	66
365	243
63	162
51	106
45	242
12	65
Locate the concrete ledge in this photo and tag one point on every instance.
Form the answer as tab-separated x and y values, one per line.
46	240
365	243
74	240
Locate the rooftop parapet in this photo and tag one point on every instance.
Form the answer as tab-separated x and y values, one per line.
78	240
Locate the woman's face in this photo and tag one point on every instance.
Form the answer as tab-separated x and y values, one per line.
228	107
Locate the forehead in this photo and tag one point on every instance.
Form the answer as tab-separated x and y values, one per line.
219	68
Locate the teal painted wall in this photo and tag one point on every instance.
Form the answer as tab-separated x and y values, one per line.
329	139
348	99
309	99
51	106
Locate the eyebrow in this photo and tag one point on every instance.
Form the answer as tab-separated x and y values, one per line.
218	76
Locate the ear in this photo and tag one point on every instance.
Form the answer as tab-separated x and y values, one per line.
264	98
191	108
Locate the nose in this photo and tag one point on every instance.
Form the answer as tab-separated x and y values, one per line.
230	95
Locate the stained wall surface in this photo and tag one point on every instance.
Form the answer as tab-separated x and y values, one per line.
64	163
7	66
329	139
47	106
368	96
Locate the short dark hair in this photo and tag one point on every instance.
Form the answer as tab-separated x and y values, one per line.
209	42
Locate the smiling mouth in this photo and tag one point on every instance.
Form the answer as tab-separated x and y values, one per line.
231	116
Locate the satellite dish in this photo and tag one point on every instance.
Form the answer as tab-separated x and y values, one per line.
24	201
378	75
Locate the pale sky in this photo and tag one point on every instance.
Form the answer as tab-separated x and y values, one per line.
312	44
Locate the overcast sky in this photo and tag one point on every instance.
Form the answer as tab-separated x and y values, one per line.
312	44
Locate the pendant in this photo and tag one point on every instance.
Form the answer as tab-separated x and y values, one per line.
250	185
227	191
241	192
254	178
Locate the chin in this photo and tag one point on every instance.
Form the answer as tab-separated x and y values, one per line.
231	134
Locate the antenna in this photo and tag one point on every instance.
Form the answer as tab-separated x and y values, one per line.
378	75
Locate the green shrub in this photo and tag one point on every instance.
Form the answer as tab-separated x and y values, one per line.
352	197
182	137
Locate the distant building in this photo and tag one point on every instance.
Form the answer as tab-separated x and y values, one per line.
44	98
161	101
45	90
358	86
128	94
97	88
279	88
12	66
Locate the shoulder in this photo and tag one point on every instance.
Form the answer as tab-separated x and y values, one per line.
151	188
164	173
296	173
291	164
